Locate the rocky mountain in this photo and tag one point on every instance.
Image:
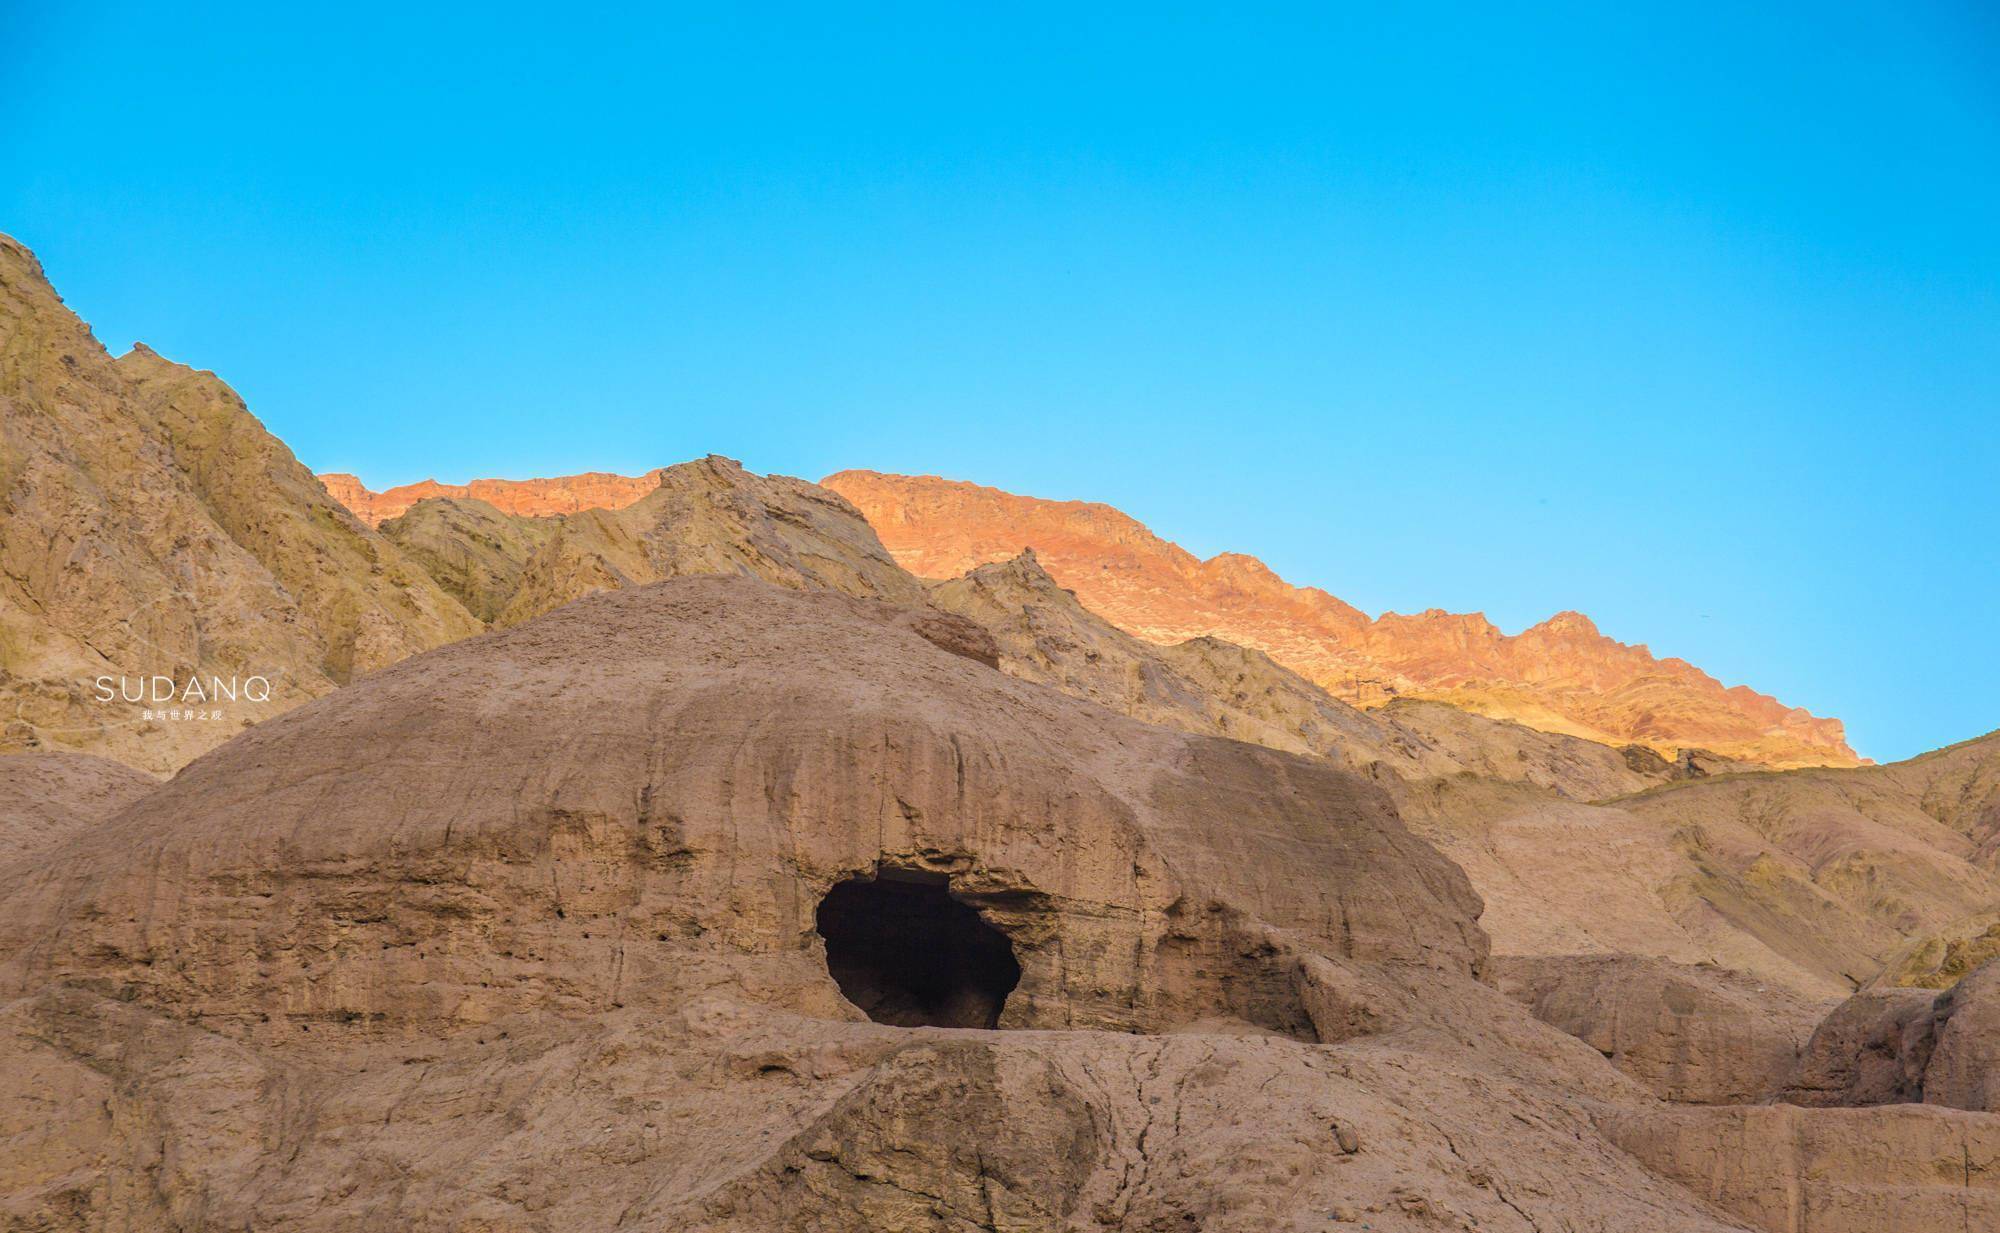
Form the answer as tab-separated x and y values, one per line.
152	534
1560	835
1214	687
719	905
530	498
713	517
1560	676
475	551
740	879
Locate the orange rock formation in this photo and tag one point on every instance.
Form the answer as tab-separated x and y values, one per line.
533	498
1560	676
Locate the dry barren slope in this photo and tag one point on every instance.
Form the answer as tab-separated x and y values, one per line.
1817	879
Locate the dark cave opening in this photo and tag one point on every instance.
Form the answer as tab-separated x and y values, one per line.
907	953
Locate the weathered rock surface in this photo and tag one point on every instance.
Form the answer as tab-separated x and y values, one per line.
1812	878
1964	1072
1872	1049
46	797
1786	1169
1560	676
1940	958
150	526
529	932
1698	1035
713	517
1889	1045
476	552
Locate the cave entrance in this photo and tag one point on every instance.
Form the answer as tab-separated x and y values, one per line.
906	952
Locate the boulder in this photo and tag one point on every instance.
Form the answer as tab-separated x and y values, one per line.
1691	1033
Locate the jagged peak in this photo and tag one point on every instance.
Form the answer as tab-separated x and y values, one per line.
1570	621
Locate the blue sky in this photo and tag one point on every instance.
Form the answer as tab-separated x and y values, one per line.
1682	316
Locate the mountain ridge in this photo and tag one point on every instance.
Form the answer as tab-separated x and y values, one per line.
1560	675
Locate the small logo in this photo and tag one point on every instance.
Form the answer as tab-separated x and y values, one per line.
171	699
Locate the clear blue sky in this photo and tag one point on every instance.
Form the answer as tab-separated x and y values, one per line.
1682	316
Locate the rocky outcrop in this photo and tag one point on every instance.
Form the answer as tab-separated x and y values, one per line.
1786	1169
1560	676
477	553
49	796
1940	958
1898	1046
150	528
713	517
1696	1035
1210	686
1205	686
370	606
1964	1071
1872	1049
530	498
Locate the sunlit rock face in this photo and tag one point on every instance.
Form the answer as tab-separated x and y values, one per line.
1559	676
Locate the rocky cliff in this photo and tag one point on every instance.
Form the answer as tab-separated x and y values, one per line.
152	534
1559	676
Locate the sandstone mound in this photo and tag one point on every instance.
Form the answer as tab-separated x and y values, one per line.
713	517
47	797
605	771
